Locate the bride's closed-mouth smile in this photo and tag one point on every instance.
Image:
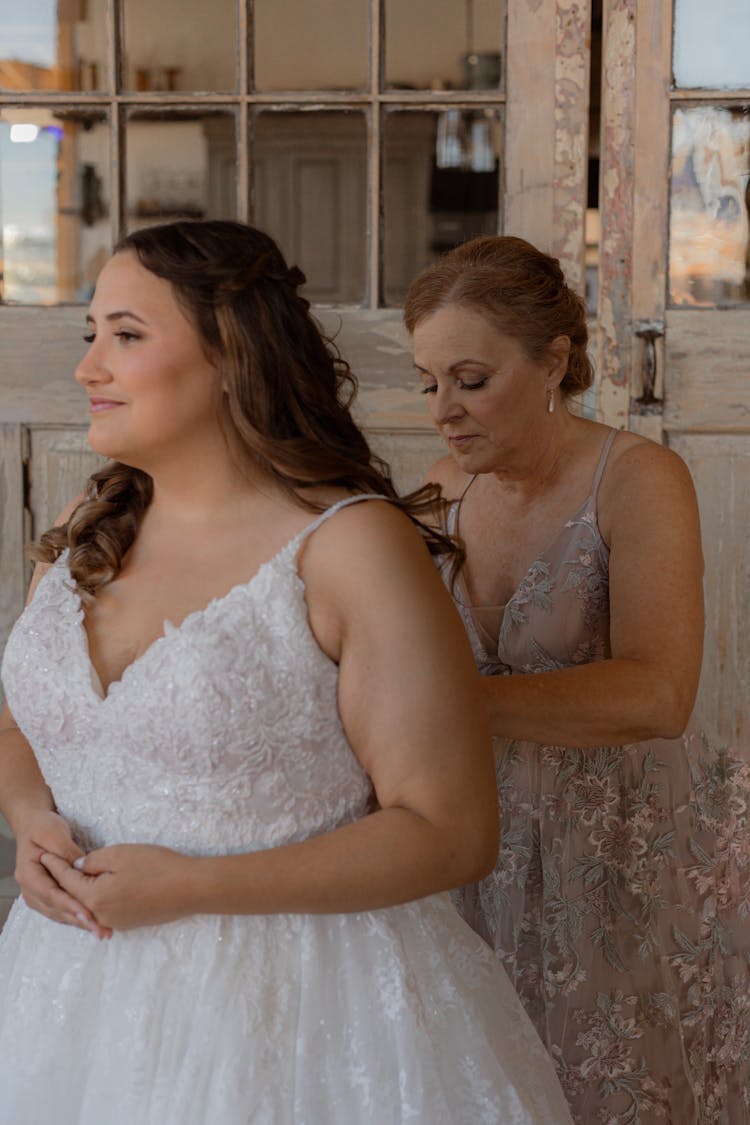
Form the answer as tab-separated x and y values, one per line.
98	404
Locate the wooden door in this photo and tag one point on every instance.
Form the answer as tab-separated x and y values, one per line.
674	295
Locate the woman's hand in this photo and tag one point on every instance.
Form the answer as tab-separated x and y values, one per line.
46	833
127	885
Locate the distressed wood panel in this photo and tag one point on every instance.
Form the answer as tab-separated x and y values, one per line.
12	565
547	127
721	469
707	371
651	142
616	205
410	454
61	462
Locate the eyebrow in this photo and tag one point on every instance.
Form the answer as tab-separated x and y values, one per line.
117	316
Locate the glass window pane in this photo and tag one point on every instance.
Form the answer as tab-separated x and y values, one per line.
54	203
709	202
310	195
711	44
180	164
304	46
52	45
444	44
180	45
440	187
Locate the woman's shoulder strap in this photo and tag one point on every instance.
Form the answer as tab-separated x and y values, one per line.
606	449
326	515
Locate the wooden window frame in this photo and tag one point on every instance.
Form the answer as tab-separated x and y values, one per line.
374	102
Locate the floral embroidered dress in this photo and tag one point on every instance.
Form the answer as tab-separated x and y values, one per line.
620	903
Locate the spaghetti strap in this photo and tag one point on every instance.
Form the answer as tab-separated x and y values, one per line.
326	515
451	522
603	462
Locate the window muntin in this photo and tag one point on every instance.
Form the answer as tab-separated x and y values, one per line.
133	186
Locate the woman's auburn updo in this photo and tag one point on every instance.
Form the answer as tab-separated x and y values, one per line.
519	289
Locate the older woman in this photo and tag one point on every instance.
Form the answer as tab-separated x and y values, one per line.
616	903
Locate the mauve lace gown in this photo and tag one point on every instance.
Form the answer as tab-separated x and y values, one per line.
224	736
620	903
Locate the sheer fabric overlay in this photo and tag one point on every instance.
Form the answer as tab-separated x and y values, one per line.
620	903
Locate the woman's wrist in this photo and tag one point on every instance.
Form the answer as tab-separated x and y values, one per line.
21	813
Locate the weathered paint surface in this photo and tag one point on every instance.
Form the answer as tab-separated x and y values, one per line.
547	128
571	136
616	203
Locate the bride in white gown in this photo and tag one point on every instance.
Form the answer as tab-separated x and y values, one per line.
244	753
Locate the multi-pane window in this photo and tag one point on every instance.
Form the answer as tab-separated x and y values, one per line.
365	135
709	227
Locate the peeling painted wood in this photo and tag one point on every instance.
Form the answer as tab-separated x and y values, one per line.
616	202
547	131
720	466
651	145
12	528
707	370
571	93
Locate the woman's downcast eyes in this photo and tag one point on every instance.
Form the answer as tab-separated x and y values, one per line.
462	385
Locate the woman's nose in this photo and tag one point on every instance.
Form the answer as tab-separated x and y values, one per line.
91	368
445	406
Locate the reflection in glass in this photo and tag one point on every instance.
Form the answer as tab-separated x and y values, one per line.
710	198
304	46
459	44
310	194
711	44
180	45
52	45
54	203
180	165
429	209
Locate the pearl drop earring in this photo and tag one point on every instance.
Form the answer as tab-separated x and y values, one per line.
551	402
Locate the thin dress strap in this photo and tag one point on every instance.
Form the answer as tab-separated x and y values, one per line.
602	462
326	515
453	511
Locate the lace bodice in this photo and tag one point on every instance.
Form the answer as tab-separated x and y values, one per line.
211	742
559	614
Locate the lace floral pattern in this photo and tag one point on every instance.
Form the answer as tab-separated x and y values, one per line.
224	736
620	903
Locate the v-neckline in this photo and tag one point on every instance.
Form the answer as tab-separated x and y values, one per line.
169	629
466	604
573	518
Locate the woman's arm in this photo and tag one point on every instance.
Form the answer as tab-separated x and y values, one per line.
649	516
29	809
410	703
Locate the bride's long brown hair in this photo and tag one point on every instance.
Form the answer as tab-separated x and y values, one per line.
285	401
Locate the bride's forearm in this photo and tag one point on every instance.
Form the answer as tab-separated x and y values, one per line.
22	787
390	857
606	703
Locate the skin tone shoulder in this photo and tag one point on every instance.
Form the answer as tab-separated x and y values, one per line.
529	470
408	693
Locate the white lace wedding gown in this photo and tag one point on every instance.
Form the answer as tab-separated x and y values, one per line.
224	736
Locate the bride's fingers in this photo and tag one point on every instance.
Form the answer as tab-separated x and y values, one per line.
54	900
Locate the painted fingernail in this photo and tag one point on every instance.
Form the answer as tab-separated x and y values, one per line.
78	863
